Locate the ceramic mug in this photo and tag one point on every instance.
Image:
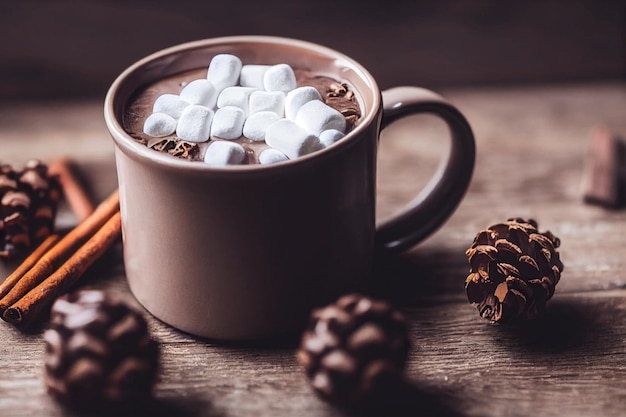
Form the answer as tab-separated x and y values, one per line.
245	252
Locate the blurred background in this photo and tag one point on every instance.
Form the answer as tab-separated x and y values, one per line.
68	49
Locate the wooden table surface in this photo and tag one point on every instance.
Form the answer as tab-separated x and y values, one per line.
532	143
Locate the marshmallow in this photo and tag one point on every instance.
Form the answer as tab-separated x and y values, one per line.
194	124
200	92
273	101
257	123
235	96
224	71
228	122
291	139
222	152
169	104
271	156
159	125
252	76
316	117
279	78
296	98
330	136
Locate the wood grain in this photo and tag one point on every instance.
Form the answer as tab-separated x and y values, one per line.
531	146
66	48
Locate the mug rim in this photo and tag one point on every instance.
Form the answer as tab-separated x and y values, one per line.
138	151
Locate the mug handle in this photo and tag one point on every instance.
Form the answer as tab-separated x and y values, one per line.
443	193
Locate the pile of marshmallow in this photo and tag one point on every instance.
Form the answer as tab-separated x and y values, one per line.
260	102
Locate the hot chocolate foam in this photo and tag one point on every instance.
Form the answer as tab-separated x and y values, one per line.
338	97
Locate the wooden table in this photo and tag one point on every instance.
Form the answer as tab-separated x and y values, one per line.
532	144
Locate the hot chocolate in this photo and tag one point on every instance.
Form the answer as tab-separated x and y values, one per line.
256	248
250	140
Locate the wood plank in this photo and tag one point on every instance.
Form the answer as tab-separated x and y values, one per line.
70	49
530	164
571	362
531	145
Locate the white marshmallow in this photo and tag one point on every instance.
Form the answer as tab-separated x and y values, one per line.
228	122
235	96
315	116
330	136
273	101
194	124
170	104
257	123
279	78
222	152
252	76
297	97
159	125
224	71
271	156
291	139
200	92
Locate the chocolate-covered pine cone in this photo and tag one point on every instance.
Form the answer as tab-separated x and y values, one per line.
98	351
28	206
514	270
352	347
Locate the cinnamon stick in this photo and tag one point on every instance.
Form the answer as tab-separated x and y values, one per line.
56	255
74	192
27	263
26	309
604	178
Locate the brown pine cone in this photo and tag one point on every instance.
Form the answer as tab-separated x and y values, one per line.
514	270
98	351
28	207
353	347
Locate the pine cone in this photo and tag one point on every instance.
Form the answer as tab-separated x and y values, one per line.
98	351
28	206
353	347
514	270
